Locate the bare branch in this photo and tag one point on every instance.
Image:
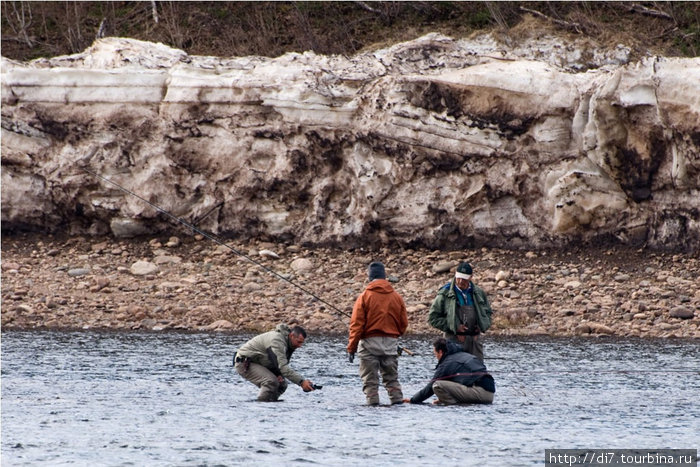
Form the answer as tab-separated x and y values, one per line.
101	30
637	8
666	32
496	14
566	24
155	11
364	6
24	20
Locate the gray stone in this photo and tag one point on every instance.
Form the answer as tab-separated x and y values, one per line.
268	254
302	265
682	312
598	328
251	287
126	227
502	275
142	268
76	272
166	259
443	267
219	325
173	242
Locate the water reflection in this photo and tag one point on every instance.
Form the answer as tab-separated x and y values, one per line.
174	399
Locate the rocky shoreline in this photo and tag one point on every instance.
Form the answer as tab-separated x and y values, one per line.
191	283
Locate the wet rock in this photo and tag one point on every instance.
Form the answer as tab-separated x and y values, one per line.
148	323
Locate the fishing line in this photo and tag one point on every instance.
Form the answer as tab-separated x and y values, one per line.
216	240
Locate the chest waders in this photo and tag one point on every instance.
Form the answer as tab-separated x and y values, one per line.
472	344
467	316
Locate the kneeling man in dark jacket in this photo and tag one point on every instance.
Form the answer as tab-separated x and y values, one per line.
460	378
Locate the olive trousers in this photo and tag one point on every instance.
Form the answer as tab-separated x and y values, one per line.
450	393
270	386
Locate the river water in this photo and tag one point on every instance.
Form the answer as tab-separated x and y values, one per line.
90	398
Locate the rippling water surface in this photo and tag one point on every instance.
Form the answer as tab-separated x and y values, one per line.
87	398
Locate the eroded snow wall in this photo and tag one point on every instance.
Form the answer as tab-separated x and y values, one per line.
434	142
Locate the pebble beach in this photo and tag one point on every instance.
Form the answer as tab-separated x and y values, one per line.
194	284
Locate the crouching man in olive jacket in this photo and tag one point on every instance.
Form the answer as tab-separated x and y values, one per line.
264	361
460	378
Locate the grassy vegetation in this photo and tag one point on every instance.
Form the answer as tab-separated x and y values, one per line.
43	29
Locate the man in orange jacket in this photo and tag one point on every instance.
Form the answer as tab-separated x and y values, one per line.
379	318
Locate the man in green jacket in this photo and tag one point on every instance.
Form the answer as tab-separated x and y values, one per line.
264	361
462	311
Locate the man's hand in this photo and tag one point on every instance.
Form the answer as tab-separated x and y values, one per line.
351	357
307	386
461	337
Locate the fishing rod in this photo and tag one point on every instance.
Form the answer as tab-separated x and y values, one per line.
216	240
219	242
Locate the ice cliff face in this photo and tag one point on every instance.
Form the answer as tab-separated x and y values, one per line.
433	142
